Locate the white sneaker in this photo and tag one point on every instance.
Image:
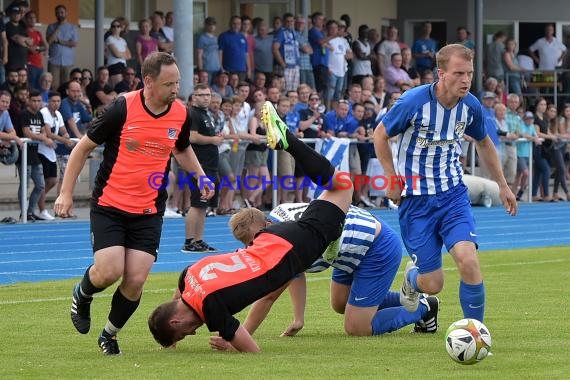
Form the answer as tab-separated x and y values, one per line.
169	213
389	204
409	297
45	215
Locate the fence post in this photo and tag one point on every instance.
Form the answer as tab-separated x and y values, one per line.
24	182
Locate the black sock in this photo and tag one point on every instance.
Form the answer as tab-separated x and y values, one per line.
121	309
315	166
86	287
188	241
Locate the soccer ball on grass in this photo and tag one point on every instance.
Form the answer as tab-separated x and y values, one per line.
468	341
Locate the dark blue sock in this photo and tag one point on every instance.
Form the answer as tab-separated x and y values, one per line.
472	299
394	318
392	299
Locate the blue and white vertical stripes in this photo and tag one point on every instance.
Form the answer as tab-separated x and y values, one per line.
356	238
429	144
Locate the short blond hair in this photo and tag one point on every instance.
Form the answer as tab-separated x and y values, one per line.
445	53
241	223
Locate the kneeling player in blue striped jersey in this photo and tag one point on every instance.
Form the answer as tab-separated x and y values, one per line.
365	262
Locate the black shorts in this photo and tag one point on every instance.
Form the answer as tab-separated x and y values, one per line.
320	224
195	195
49	168
112	227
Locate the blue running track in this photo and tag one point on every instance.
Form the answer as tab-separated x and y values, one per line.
62	250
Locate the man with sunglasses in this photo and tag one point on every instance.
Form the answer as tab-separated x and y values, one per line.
74	76
129	83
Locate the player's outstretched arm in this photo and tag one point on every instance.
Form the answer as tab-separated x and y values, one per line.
298	293
488	154
64	202
260	308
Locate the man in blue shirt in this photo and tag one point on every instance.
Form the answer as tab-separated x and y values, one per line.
336	120
62	38
429	121
233	49
424	50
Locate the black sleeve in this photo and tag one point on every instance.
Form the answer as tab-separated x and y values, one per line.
24	121
110	122
183	141
218	318
195	121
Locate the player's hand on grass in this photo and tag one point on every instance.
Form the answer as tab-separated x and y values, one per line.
220	344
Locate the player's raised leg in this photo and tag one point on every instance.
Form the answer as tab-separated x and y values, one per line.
316	167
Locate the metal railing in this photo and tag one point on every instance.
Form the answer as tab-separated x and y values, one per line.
24	176
541	80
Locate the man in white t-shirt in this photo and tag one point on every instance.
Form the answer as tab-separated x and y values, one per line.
55	130
338	64
550	50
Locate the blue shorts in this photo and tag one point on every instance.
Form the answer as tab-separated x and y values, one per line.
371	281
429	221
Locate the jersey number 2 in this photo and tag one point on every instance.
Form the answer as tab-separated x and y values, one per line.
207	273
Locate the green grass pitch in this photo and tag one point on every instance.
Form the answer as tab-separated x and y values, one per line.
527	313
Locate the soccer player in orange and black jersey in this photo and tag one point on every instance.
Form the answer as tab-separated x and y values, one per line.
216	287
140	130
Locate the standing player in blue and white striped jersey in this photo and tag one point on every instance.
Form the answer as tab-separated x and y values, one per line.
365	262
435	210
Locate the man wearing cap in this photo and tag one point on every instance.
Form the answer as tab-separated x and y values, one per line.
18	40
488	101
208	50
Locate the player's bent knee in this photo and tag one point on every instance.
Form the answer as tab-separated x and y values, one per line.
338	308
357	329
468	266
431	285
103	277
